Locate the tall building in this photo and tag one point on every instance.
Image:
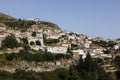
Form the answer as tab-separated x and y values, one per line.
41	38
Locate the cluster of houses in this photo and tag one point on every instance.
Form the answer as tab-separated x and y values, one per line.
66	40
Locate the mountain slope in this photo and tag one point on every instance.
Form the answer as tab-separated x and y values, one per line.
5	17
14	23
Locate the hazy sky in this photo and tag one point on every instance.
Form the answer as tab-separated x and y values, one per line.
92	17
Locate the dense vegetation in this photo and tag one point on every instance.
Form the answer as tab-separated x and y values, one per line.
37	56
86	70
10	42
100	43
20	24
103	43
117	64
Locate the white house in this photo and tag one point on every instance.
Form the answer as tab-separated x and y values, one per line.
116	47
98	51
37	47
87	44
80	52
57	50
72	37
34	19
66	45
53	37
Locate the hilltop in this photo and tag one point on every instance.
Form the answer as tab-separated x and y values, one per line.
6	17
11	22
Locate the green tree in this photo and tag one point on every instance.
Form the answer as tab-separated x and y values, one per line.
73	74
10	57
62	73
111	44
117	73
26	48
10	42
50	57
59	56
100	43
25	41
68	50
39	57
50	76
117	62
106	51
88	62
23	75
5	75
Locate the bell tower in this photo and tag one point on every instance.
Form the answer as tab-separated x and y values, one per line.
41	38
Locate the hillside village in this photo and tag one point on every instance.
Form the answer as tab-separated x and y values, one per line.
79	44
57	41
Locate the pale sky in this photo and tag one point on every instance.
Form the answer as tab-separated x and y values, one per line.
91	17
